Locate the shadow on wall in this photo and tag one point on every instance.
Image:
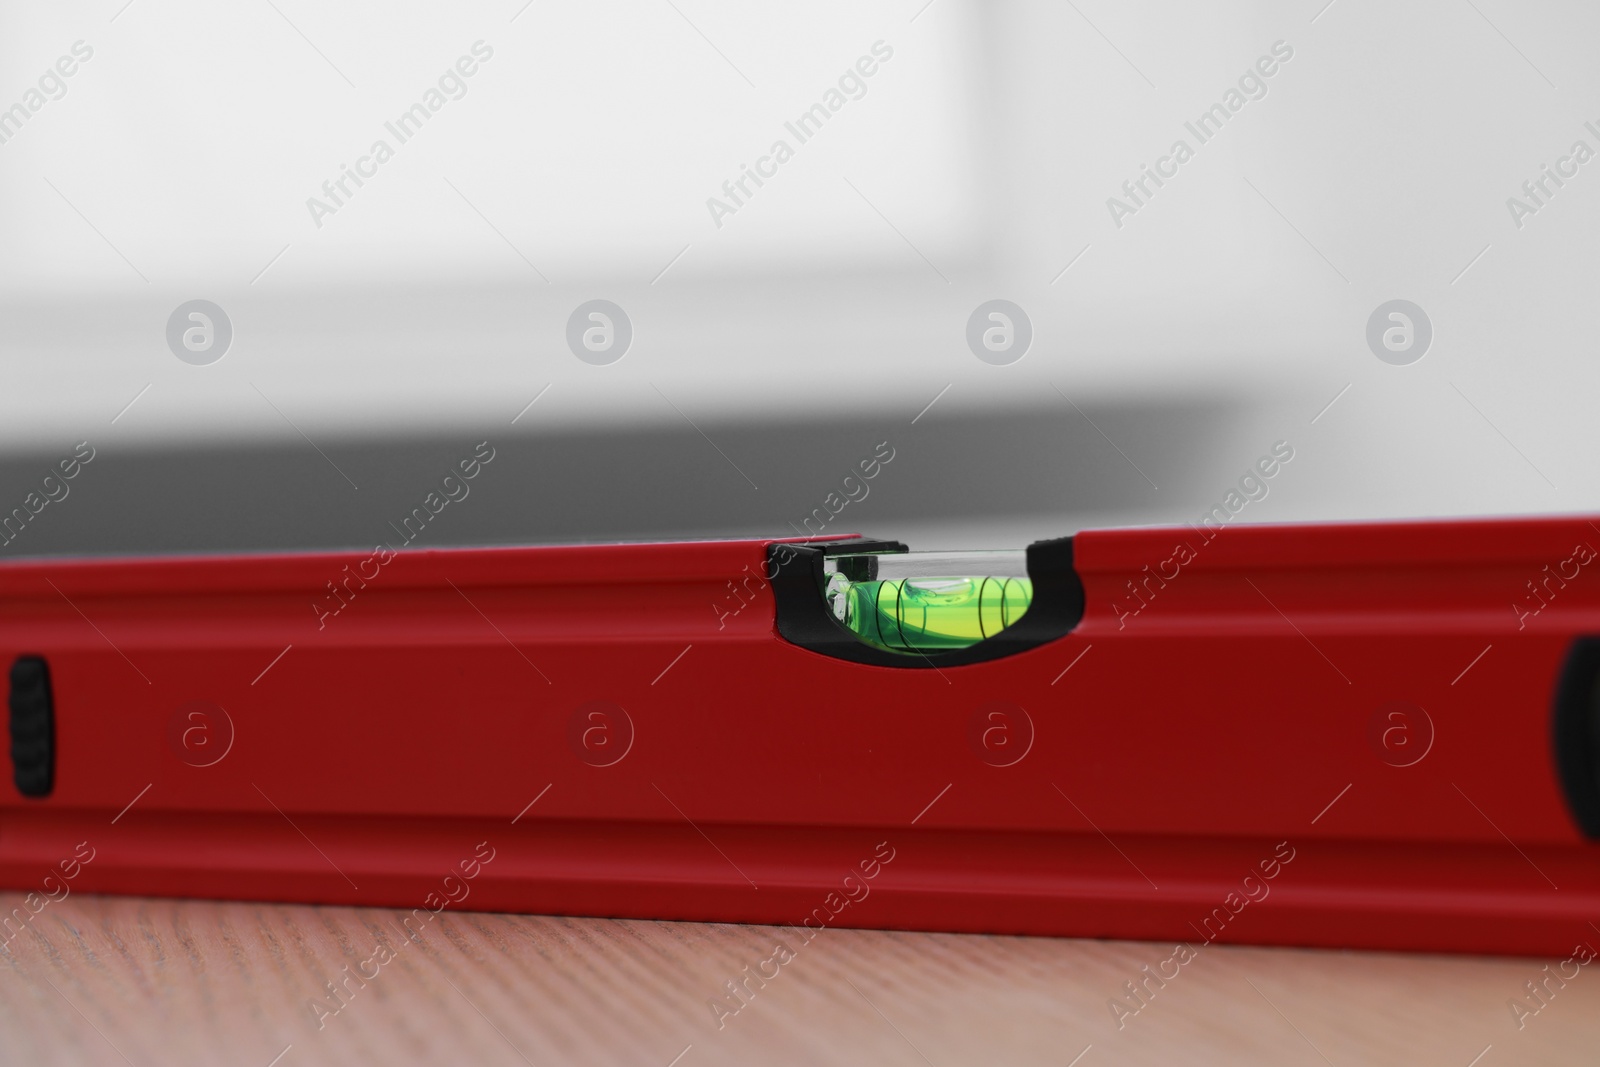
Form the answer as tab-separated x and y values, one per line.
1051	468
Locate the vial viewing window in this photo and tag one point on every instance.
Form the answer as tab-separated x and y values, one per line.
922	602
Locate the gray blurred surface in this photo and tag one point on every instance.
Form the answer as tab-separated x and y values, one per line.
985	482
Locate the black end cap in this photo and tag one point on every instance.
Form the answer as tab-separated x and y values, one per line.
33	727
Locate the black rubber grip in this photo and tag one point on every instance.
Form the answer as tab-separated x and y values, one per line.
1576	734
33	728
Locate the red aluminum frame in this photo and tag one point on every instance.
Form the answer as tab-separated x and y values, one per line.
1169	753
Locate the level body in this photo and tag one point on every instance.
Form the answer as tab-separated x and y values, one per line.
1339	735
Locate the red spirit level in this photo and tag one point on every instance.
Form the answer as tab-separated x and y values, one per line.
1381	736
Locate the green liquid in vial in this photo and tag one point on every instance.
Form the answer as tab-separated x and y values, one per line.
928	614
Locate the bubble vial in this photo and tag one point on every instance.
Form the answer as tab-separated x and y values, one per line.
922	613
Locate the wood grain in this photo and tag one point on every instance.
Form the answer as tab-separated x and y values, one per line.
105	980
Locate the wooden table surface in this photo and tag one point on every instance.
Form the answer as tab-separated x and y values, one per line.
107	980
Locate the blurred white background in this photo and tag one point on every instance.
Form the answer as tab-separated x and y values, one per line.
829	310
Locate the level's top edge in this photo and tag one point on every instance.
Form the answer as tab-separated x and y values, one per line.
402	567
1410	544
1218	546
